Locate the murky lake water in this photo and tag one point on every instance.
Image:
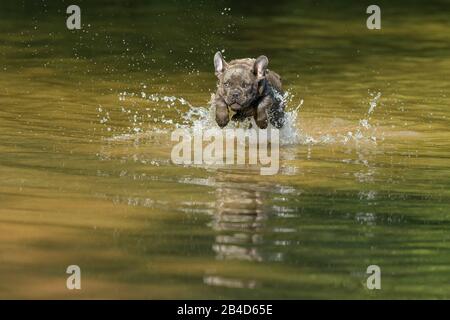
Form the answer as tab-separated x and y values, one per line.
86	175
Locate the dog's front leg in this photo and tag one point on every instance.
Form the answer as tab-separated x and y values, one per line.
261	112
222	116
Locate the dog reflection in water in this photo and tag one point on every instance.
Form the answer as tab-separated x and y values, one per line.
239	218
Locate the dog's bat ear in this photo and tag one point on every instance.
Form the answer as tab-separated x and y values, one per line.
260	67
219	63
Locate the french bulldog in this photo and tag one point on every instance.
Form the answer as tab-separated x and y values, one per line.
248	89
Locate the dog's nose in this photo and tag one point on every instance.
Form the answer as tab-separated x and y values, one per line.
236	94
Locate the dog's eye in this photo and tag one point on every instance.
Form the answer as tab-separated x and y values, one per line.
245	85
227	84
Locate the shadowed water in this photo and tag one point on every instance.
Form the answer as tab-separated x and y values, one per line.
86	175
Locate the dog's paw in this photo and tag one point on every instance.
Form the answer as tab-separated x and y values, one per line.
222	122
261	123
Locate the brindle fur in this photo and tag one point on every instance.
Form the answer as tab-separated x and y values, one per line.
249	89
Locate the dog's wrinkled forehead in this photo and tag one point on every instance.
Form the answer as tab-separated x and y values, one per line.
239	74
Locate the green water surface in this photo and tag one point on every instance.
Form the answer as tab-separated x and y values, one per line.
86	177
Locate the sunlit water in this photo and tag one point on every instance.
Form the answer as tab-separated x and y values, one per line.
87	179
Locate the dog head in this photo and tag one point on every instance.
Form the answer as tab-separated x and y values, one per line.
240	81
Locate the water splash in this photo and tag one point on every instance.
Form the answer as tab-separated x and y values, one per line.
373	102
154	113
194	119
201	118
364	124
364	132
